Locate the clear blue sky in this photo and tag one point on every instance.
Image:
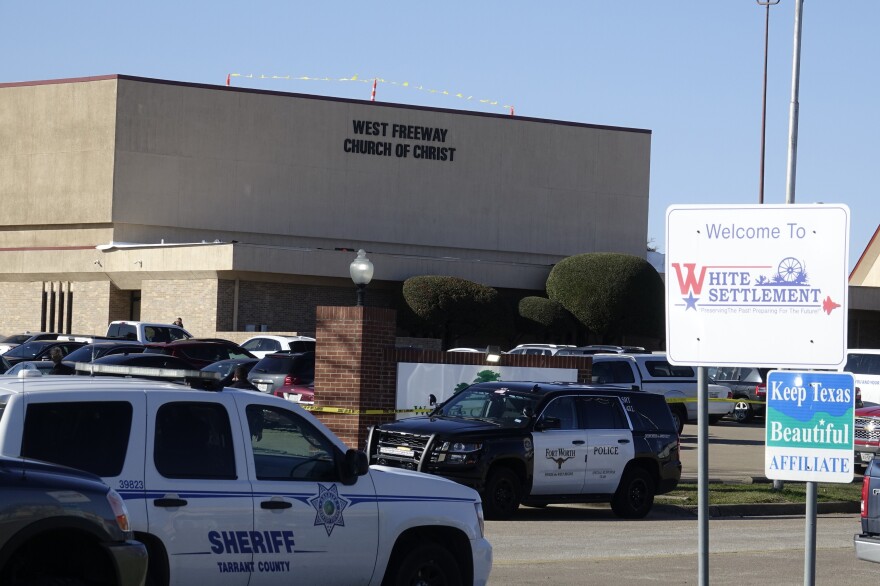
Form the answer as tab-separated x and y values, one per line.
691	72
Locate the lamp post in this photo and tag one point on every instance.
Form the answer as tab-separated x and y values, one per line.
767	4
361	271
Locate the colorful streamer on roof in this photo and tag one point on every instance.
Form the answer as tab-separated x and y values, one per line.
374	81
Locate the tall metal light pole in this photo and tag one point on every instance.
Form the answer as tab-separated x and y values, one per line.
767	4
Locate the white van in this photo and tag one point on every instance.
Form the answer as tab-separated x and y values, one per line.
865	366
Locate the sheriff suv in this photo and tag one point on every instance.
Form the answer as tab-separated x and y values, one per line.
541	443
238	487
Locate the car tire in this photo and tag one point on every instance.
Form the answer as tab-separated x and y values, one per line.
635	494
502	495
742	410
679	417
430	564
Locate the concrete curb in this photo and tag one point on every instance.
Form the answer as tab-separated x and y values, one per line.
767	509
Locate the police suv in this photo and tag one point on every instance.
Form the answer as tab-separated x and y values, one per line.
239	487
541	443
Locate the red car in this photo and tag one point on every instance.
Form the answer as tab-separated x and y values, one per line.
867	435
199	353
298	393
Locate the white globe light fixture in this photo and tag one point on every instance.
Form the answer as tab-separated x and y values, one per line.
361	270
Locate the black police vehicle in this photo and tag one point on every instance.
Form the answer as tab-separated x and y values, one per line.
542	443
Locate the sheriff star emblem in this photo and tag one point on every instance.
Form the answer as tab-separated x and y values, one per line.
329	506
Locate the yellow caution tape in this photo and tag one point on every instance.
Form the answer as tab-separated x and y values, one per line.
350	411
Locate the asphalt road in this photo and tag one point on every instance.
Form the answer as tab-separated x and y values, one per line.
587	544
736	451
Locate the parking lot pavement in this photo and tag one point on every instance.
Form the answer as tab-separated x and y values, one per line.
736	451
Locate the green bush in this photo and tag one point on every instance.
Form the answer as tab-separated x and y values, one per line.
452	306
612	294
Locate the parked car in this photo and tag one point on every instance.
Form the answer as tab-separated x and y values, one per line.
4	364
867	543
749	387
260	346
148	366
9	342
542	443
866	436
276	370
538	349
226	368
865	366
200	353
39	350
600	349
239	487
59	525
654	374
146	332
90	352
40	366
298	393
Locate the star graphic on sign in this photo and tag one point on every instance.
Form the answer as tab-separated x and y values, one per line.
821	422
690	302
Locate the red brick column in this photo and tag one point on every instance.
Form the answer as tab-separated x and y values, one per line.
351	370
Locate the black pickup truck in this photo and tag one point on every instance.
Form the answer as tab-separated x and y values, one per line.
867	542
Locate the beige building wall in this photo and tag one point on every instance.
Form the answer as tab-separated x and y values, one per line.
57	145
275	181
222	163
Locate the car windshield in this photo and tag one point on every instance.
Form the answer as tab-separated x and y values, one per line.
82	354
495	405
29	350
224	367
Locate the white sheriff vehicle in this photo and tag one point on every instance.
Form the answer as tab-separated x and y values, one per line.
237	487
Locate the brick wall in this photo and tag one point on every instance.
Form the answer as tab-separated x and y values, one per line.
351	369
195	301
120	304
292	307
20	306
91	302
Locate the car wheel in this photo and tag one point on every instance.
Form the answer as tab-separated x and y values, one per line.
742	410
635	495
428	564
502	495
679	416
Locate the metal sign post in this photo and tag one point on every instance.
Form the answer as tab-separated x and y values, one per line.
809	438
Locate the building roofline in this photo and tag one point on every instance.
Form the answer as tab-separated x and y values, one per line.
875	237
321	98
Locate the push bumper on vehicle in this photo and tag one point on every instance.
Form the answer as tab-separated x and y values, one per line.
867	547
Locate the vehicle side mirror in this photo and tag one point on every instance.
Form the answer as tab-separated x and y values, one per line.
546	423
354	464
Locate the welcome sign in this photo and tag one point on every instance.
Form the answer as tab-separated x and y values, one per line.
810	419
757	285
